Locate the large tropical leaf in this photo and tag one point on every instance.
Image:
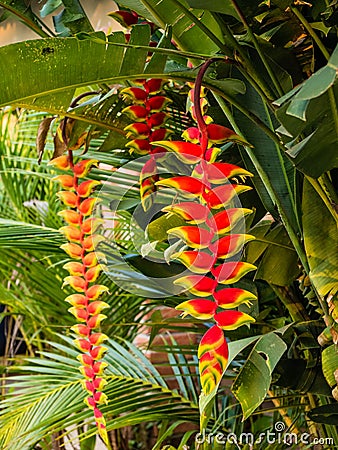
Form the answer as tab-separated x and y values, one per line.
308	114
320	240
195	30
54	93
15	234
65	58
273	254
275	175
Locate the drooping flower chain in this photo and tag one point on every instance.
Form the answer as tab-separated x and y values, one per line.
207	233
148	113
84	269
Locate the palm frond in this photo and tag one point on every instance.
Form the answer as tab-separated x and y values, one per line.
45	395
28	236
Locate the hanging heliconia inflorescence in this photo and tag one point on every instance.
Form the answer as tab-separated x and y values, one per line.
84	268
210	216
148	113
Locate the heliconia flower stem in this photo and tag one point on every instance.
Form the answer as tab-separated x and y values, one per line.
84	268
202	126
211	218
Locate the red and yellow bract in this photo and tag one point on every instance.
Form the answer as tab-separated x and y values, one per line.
149	118
210	235
85	304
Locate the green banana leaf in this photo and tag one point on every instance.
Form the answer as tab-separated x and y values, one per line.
307	115
195	30
273	254
320	240
49	72
252	384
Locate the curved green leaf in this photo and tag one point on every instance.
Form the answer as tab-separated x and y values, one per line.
215	6
320	240
37	60
253	381
278	260
325	414
15	234
41	83
186	32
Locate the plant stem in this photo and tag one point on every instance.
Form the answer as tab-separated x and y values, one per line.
197	94
252	36
334	110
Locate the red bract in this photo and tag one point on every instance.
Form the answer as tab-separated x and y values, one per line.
195	261
66	181
190	211
70	216
218	173
147	127
85	305
148	178
230	320
138	95
153	85
197	285
86	188
141	146
199	308
220	196
227	219
82	168
211	340
231	272
157	103
138	130
156	120
232	297
231	244
136	112
219	135
186	151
